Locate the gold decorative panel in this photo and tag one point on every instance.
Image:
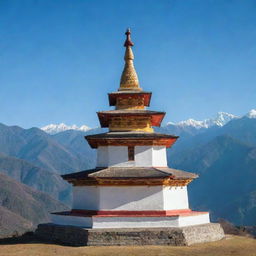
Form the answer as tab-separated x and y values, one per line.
127	123
130	103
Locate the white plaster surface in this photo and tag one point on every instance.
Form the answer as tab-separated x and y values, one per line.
159	156
145	156
113	156
153	222
175	198
102	156
133	198
194	220
131	222
134	222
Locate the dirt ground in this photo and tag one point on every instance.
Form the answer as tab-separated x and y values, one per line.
231	245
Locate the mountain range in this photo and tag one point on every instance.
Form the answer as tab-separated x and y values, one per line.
221	150
219	120
42	149
56	128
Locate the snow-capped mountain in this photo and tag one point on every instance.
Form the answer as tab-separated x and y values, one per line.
251	114
55	128
219	120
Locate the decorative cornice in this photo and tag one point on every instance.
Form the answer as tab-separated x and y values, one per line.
97	142
130	182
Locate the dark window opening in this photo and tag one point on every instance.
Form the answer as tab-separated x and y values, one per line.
131	153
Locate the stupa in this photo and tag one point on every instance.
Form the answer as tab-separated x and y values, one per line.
131	196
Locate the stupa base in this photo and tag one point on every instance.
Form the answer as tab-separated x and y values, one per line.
181	236
130	219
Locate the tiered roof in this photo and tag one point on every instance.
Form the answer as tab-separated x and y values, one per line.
131	139
130	176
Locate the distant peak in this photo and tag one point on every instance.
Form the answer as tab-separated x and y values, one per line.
220	119
56	128
251	113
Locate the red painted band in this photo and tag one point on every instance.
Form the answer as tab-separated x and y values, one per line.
92	213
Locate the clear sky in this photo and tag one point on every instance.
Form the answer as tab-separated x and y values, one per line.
59	59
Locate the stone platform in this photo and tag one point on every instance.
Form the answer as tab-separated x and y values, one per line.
77	236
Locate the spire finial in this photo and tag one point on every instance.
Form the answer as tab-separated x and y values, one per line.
128	41
129	78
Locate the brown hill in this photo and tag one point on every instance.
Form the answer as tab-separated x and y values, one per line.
35	177
12	224
23	207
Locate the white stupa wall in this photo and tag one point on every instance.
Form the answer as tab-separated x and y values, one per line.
159	156
175	198
135	198
145	156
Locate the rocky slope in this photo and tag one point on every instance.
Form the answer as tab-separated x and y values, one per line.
36	177
22	208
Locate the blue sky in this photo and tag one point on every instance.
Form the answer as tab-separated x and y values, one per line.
59	59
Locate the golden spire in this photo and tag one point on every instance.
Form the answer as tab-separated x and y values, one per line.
129	78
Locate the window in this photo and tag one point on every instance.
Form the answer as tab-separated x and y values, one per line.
131	153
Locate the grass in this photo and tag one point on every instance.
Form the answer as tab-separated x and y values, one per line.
231	245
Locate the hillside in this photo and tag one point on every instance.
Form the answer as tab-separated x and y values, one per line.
36	177
12	224
227	183
22	204
75	142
